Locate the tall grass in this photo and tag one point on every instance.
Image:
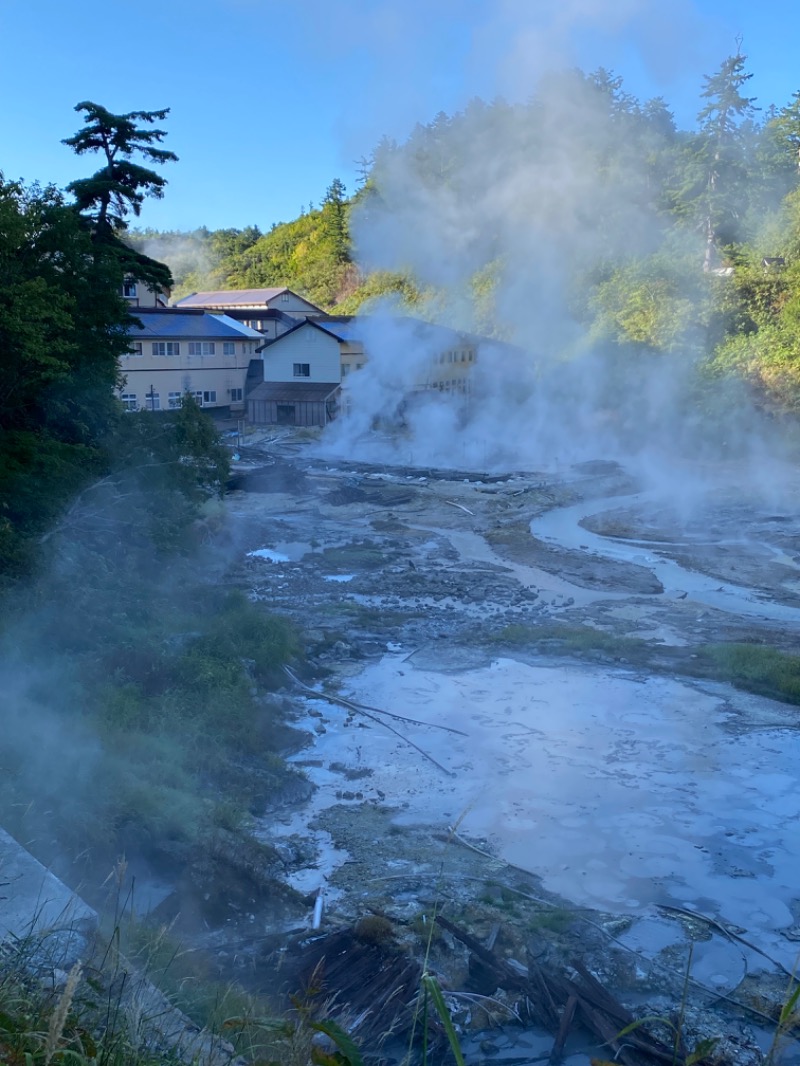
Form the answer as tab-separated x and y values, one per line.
756	668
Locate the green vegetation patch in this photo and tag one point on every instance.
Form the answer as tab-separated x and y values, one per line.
755	668
149	727
583	640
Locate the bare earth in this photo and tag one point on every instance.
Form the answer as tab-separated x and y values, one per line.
598	787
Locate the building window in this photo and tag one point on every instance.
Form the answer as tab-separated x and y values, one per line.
228	348
153	401
247	347
359	366
302	370
201	347
135	348
173	400
210	397
345	369
236	395
129	289
129	401
166	348
285	298
198	398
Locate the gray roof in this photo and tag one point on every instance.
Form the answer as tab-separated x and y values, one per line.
237	298
310	322
294	391
189	324
354	328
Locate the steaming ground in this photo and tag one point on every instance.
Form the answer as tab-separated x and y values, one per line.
553	618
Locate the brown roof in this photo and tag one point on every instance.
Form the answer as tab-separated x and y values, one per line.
294	391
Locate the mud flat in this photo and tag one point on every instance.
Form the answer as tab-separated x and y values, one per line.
618	792
552	622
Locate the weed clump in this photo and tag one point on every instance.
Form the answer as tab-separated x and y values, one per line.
374	929
756	668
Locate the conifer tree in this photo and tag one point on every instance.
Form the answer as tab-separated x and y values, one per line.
119	188
722	121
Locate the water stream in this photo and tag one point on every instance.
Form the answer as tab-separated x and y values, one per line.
562	527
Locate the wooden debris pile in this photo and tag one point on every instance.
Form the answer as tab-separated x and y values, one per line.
370	983
560	1002
371	987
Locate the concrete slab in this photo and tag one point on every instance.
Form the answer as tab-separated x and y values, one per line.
32	899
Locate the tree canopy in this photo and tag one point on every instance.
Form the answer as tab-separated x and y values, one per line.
119	188
63	326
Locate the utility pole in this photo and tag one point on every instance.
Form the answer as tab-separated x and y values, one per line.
152	396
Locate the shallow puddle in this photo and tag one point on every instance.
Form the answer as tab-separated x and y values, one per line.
619	791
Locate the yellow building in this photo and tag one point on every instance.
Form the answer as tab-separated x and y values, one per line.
175	352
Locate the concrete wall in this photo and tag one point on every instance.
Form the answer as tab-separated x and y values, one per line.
145	297
304	345
32	899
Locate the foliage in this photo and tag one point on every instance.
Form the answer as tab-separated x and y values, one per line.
79	1022
145	729
62	330
648	302
657	240
118	189
311	254
764	670
295	1038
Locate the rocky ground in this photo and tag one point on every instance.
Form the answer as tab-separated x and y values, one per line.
443	567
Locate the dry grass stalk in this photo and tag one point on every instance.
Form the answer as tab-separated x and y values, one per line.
59	1017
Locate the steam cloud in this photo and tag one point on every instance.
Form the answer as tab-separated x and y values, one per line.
536	194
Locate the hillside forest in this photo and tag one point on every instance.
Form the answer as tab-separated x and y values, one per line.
656	241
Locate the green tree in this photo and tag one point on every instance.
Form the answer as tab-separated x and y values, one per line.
62	330
334	220
721	153
118	189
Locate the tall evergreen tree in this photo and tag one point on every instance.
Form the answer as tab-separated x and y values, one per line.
334	217
118	189
722	121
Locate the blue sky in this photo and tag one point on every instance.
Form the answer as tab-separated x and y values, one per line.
270	101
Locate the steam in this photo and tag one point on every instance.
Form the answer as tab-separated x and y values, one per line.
534	196
187	255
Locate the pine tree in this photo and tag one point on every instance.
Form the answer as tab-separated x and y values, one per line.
334	215
119	188
722	121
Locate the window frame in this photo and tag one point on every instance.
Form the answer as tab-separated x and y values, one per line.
206	348
170	349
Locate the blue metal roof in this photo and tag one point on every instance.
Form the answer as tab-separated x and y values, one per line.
180	325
